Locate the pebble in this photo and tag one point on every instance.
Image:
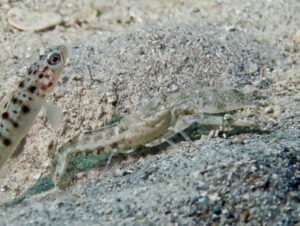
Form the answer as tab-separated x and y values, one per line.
214	197
296	37
111	97
253	169
245	216
203	204
32	21
174	88
251	67
215	217
227	213
269	110
58	93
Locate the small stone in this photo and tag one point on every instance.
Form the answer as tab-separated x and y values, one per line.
228	214
253	169
228	117
245	216
47	164
195	174
217	211
36	176
76	78
269	110
202	185
202	204
58	94
251	67
111	97
214	197
216	217
174	88
287	47
194	200
275	176
296	37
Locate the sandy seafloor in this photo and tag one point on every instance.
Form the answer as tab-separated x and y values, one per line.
136	50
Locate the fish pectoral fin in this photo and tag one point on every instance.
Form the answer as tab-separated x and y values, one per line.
54	115
19	148
4	99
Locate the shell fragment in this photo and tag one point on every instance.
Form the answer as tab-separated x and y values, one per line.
32	21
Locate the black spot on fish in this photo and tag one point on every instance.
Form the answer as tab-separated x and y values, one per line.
24	95
15	124
5	115
41	76
31	89
21	84
30	98
45	69
25	109
15	112
114	145
5	105
29	71
7	142
14	100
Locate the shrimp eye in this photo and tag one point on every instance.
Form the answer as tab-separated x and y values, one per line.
54	59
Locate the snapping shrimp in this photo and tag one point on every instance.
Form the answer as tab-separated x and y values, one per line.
158	121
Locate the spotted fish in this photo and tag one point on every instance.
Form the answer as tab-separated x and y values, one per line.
19	111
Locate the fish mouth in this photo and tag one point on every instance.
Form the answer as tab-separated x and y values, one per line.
63	50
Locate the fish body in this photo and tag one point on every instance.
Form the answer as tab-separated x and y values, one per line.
21	108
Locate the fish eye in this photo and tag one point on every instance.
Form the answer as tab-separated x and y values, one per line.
54	59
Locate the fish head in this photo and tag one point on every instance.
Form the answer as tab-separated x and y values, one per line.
43	75
52	65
